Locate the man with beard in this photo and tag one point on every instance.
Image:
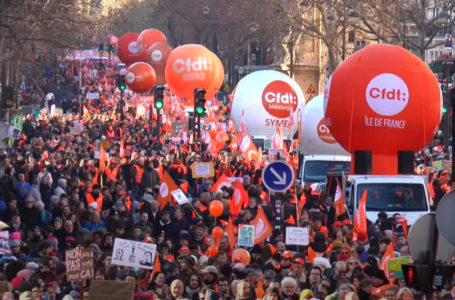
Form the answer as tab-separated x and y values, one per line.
210	278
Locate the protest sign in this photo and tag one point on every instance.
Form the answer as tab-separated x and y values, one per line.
79	264
203	170
133	254
14	132
109	289
180	197
93	95
297	236
394	266
4	243
245	235
17	121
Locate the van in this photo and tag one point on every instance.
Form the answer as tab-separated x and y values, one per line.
315	167
406	195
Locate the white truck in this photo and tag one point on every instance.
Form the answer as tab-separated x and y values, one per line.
404	194
322	153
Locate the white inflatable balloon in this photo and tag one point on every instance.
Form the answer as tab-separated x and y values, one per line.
316	136
267	99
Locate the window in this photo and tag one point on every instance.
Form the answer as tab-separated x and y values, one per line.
393	196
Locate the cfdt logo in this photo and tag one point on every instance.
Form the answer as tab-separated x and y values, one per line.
132	47
189	65
324	132
279	99
387	94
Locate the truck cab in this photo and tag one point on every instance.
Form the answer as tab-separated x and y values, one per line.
315	167
404	194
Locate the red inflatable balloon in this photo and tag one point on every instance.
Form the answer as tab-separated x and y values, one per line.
157	55
241	255
216	208
127	50
140	77
212	250
149	37
383	99
217	232
190	67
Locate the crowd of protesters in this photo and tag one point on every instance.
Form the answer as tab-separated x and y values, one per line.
54	197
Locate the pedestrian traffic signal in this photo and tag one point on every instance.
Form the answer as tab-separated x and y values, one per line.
101	48
199	101
121	83
158	97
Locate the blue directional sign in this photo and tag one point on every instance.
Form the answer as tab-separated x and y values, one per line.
278	176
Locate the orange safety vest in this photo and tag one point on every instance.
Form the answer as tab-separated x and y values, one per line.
139	172
98	201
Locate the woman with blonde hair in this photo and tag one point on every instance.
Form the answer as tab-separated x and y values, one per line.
405	294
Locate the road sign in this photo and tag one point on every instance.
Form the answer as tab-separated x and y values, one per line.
278	176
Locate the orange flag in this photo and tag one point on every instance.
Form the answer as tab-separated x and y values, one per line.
404	225
166	188
291	220
239	197
311	254
388	255
103	158
230	231
277	140
222	181
248	149
156	265
360	222
262	227
339	201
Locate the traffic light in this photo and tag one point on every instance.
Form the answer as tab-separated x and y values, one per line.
158	97
110	48
444	110
121	82
101	48
7	96
199	101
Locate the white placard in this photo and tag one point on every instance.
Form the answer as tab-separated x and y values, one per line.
14	132
133	254
297	236
180	197
92	96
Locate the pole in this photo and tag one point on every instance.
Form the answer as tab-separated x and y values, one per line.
452	104
158	112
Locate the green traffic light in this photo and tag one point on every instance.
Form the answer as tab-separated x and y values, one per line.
122	87
101	51
444	110
158	105
200	110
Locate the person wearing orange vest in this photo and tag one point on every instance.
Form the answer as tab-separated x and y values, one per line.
95	197
136	177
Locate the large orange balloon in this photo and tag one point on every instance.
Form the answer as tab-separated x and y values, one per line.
140	77
190	67
212	250
383	99
157	55
127	50
149	37
217	232
241	255
218	78
216	208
